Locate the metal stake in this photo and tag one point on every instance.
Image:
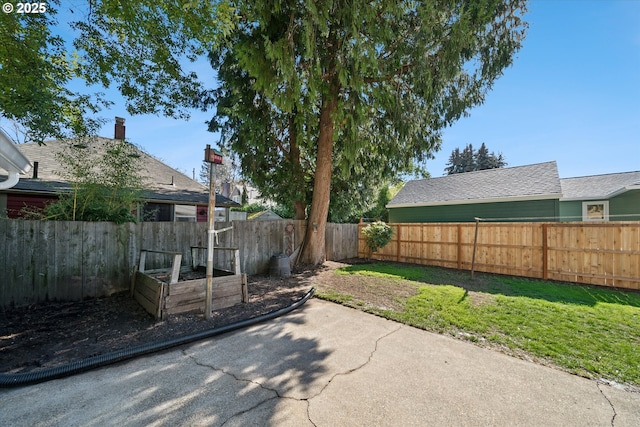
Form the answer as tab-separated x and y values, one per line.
211	234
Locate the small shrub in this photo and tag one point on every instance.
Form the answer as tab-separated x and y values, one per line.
377	235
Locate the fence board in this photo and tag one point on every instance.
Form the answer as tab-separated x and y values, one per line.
340	241
66	261
606	254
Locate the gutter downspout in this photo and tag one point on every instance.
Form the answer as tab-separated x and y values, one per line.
13	161
13	179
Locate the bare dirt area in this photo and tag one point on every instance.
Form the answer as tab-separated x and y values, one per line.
366	292
57	333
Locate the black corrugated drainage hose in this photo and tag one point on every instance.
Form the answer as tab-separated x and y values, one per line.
34	377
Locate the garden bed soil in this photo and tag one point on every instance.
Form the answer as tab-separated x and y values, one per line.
56	333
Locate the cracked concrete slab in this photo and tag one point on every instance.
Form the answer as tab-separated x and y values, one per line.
322	365
163	389
298	362
275	412
625	405
415	376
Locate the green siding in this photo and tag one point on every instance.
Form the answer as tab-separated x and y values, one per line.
534	210
625	207
571	211
625	204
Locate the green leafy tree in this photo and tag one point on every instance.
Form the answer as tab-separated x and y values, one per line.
35	70
139	46
283	211
106	181
349	81
252	208
384	197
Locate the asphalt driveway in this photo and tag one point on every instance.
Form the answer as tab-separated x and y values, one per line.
322	365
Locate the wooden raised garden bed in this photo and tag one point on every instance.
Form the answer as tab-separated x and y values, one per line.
161	292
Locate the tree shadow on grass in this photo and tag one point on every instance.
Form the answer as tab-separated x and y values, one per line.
566	293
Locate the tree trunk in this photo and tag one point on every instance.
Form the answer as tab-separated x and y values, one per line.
300	208
313	251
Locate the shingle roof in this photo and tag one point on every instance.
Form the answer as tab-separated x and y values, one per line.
28	185
598	186
162	182
537	181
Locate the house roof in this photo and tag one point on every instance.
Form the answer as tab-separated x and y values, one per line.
263	215
162	182
599	186
531	182
253	194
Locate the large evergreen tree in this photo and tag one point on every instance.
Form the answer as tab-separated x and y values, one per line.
470	160
359	85
276	135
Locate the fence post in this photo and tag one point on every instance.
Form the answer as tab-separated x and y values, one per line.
143	258
398	243
459	247
175	268
475	243
236	261
545	250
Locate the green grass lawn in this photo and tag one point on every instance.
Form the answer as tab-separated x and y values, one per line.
589	331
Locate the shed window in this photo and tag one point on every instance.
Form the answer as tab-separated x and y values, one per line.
157	212
185	213
595	211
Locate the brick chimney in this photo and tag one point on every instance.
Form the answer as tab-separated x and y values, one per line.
119	128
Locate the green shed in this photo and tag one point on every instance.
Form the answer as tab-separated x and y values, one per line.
609	197
523	193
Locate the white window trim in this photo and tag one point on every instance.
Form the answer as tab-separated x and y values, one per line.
585	206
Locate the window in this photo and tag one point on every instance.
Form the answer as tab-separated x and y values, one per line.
152	212
595	211
185	213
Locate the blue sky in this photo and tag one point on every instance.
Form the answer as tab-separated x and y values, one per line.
572	95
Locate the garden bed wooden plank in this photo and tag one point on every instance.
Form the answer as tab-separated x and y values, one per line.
220	303
184	308
172	300
148	292
148	289
186	287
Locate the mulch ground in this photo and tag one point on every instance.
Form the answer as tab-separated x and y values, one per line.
56	333
52	334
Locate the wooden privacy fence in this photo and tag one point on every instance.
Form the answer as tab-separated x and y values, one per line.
606	254
67	261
